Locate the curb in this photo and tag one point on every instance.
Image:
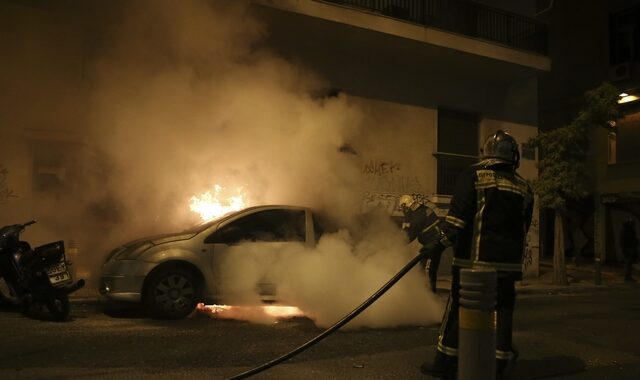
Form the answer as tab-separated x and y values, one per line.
570	289
543	285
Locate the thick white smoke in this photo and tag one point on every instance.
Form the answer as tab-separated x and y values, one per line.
171	98
185	98
331	279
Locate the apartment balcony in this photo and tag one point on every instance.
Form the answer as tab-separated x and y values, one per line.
464	17
427	53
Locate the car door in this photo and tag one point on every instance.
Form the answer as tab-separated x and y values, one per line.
246	248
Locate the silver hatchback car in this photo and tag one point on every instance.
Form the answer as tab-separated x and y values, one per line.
170	274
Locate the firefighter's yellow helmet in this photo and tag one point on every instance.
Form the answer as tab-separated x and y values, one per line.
407	201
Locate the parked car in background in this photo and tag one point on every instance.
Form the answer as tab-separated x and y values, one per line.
170	274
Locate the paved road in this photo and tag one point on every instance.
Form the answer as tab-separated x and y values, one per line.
591	335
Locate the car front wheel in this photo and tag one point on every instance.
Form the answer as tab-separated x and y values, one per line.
172	293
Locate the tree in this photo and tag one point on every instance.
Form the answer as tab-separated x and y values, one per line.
563	163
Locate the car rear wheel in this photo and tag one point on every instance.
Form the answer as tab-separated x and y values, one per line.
172	293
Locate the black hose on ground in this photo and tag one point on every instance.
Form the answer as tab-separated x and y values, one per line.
336	326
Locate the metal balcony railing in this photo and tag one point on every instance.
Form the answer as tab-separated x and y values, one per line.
464	17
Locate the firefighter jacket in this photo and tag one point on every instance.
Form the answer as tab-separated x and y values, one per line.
489	217
421	223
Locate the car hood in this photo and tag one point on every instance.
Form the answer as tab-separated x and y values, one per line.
159	239
132	248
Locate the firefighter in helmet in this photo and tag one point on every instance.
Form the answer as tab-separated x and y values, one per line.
421	222
487	223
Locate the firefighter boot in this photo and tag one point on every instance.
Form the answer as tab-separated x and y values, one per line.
443	366
504	367
432	285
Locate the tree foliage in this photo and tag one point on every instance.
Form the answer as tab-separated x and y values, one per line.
563	168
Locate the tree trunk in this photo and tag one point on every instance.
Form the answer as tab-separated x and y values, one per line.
559	268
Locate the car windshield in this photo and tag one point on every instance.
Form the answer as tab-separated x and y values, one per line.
204	225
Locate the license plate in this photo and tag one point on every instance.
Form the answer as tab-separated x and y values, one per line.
58	273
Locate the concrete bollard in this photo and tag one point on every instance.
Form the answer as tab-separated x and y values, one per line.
477	327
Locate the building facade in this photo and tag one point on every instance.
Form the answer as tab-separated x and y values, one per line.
431	79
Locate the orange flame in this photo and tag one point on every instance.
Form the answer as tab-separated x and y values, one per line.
279	311
209	205
246	312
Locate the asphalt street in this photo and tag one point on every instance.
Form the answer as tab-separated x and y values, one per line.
565	335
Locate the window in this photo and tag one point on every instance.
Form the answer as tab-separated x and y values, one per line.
627	140
457	146
50	164
625	36
57	167
264	226
527	151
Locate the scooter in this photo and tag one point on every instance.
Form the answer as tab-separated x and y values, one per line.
35	276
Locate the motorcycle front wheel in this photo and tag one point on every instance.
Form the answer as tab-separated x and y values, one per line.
58	306
7	298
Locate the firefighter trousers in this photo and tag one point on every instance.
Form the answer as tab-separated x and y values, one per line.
447	348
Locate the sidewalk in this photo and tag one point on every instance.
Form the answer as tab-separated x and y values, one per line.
581	278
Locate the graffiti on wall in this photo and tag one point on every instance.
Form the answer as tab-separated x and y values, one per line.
5	191
527	258
377	200
531	248
380	168
387	176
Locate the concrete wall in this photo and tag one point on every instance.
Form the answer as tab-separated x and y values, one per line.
396	148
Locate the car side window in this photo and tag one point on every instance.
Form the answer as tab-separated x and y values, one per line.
266	226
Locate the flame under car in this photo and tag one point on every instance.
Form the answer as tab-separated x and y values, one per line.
170	274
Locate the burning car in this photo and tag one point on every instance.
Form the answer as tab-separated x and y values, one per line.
170	274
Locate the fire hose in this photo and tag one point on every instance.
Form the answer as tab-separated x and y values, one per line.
337	325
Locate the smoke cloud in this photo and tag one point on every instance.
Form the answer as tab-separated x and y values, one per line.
167	101
330	280
202	104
